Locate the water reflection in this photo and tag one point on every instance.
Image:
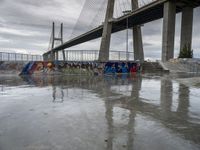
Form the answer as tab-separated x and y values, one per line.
58	94
127	101
166	93
178	121
183	100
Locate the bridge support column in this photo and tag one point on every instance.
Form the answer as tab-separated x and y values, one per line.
61	36
44	57
169	20
186	27
137	37
56	53
52	57
107	29
52	46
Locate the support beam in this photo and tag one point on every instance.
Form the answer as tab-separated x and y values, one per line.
56	53
52	46
106	36
168	30
61	34
186	27
137	37
45	57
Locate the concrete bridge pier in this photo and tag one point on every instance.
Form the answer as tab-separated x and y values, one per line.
52	44
169	19
186	27
48	56
106	35
137	37
53	56
56	55
61	39
45	57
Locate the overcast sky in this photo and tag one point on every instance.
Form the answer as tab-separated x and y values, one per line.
25	27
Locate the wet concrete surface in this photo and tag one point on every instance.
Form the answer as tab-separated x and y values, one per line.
149	112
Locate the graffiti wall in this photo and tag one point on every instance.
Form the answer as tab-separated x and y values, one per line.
9	67
84	68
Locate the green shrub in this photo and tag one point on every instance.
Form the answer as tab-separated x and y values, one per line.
186	52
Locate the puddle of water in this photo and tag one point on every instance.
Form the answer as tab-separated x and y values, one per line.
79	112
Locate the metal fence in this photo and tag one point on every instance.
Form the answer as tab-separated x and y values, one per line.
19	57
93	55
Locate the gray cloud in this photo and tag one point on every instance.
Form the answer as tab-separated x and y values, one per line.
39	3
26	25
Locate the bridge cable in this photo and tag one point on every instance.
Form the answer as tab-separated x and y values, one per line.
85	15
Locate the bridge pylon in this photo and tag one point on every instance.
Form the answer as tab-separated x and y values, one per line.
186	27
54	55
106	35
169	22
137	37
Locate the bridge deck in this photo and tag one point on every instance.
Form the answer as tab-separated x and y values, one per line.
145	14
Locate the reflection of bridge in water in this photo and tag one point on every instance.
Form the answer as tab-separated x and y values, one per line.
179	121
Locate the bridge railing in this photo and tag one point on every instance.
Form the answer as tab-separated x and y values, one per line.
19	57
92	55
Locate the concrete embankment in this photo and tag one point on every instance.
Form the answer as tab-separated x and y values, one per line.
11	67
82	68
172	66
182	65
153	67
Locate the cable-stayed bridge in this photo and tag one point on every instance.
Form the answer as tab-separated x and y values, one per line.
139	12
